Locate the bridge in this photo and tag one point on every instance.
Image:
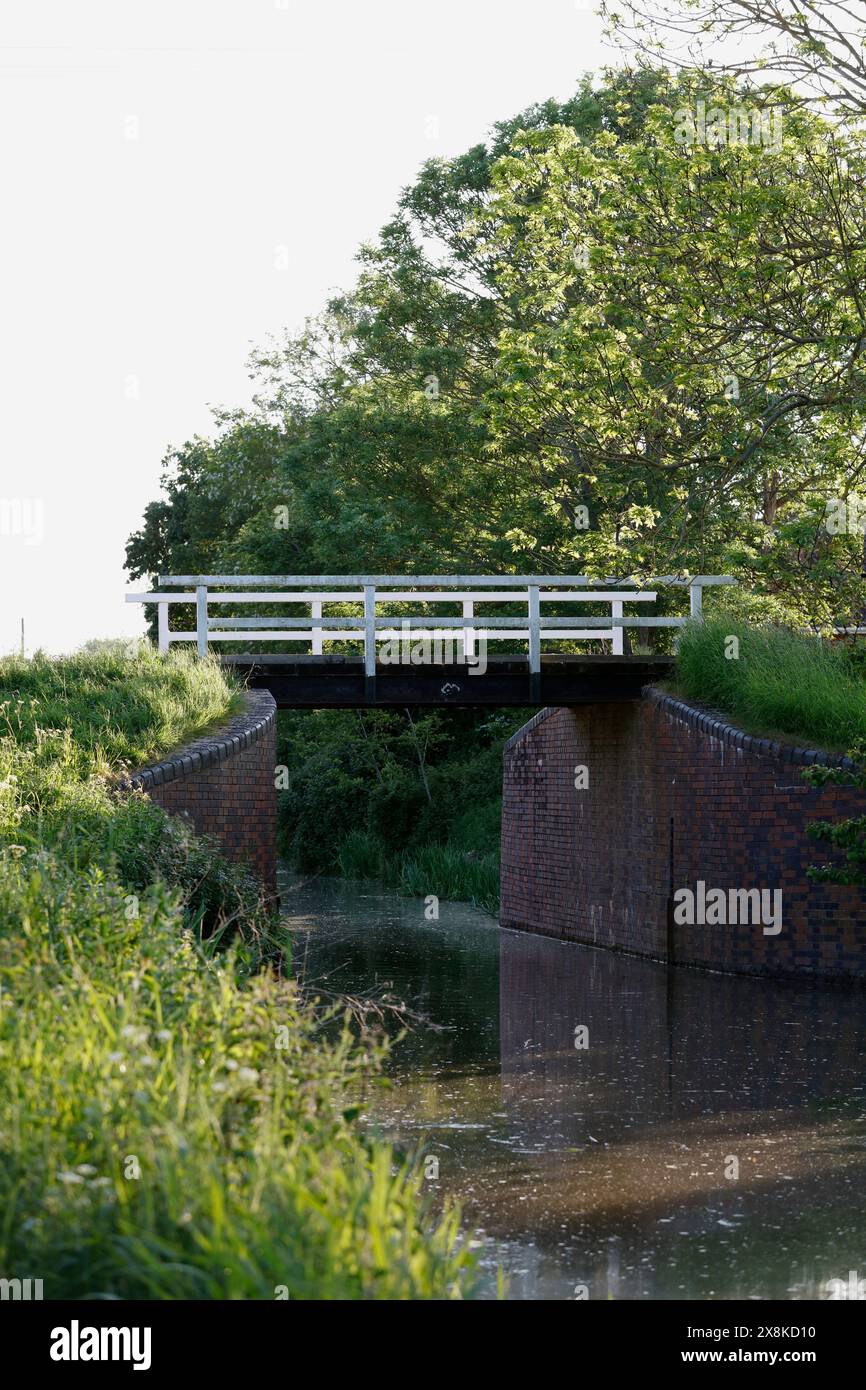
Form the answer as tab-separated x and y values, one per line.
395	650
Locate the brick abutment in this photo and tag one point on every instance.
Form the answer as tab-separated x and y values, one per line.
612	811
223	784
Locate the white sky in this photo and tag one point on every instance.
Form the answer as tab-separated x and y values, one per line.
148	263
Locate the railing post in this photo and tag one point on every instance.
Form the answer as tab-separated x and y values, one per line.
534	608
201	618
469	632
162	626
370	643
616	612
316	612
696	601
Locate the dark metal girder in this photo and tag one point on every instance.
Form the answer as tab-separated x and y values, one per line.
338	682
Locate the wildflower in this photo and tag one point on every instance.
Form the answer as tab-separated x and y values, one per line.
137	1036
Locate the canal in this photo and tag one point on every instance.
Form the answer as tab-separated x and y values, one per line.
611	1129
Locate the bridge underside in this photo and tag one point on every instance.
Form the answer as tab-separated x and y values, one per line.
339	682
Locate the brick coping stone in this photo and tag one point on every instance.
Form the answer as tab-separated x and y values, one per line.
713	723
247	727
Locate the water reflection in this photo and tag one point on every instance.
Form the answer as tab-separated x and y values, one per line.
608	1168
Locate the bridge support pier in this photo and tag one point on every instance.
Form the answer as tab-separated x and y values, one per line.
670	806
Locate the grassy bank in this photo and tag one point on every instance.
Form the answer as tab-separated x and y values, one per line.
172	1124
772	681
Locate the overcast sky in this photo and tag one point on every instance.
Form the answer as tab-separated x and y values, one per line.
155	156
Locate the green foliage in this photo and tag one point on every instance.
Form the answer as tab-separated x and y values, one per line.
173	1127
372	792
70	728
781	682
736	604
173	1123
359	855
584	312
846	836
449	873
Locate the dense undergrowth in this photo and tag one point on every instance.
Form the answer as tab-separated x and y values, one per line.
410	798
173	1122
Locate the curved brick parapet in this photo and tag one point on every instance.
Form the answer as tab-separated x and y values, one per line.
223	783
674	796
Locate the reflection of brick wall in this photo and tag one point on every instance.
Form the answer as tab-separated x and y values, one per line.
674	796
223	784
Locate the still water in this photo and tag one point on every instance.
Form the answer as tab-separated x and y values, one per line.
610	1168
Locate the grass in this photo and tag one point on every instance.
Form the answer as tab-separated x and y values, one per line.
779	682
119	711
444	870
173	1123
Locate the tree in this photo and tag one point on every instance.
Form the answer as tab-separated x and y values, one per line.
593	344
687	355
817	45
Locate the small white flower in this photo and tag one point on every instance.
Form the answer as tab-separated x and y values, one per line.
69	1177
248	1074
138	1036
86	1170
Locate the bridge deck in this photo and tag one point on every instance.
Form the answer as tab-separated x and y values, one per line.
339	682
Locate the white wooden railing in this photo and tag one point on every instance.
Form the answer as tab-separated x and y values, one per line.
207	591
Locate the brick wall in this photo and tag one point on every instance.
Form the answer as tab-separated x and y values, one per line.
223	783
674	796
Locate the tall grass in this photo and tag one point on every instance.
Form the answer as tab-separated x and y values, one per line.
172	1122
446	870
774	681
69	728
119	711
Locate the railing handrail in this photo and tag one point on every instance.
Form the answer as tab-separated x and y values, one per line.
317	590
443	581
